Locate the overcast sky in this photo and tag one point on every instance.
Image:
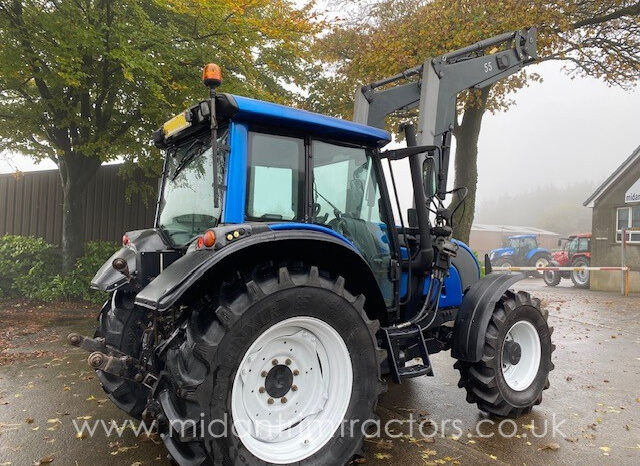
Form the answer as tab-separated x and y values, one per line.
559	130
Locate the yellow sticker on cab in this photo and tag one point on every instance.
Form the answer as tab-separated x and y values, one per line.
176	124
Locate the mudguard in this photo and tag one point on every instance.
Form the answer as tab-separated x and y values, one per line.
474	315
535	251
165	290
107	278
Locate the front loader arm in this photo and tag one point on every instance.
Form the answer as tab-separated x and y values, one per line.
442	78
439	81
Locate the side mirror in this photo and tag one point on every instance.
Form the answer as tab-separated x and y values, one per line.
429	177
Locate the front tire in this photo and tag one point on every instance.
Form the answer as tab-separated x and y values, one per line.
514	369
552	278
288	402
503	263
580	279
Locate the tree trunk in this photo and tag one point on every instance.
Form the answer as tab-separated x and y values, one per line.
75	174
466	161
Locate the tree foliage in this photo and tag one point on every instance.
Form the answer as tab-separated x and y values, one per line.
86	81
599	38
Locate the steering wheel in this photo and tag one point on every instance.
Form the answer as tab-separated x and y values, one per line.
339	225
322	219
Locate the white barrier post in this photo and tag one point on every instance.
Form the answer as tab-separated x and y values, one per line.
623	245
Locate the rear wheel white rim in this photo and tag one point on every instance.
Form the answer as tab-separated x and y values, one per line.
296	425
521	375
542	262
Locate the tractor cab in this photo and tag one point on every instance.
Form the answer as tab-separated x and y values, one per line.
276	166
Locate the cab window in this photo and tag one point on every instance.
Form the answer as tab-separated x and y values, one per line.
573	246
583	245
275	182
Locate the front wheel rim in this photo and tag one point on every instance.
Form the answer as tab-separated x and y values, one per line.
292	390
520	376
581	276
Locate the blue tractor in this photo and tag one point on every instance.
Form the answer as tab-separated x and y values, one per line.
521	251
254	323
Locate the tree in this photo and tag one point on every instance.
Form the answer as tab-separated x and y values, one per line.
599	38
86	81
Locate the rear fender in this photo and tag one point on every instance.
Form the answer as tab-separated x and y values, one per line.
531	254
585	255
109	279
474	315
175	282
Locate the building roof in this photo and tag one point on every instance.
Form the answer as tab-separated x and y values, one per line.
618	172
512	229
334	128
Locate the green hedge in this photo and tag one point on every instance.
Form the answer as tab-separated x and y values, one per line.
30	268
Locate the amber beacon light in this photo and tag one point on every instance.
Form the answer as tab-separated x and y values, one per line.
211	75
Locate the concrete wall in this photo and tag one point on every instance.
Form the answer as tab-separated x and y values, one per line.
605	249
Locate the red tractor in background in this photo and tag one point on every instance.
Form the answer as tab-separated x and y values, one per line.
576	252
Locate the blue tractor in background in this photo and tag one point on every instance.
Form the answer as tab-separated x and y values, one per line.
521	251
254	322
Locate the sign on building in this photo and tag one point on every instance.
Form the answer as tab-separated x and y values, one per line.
633	194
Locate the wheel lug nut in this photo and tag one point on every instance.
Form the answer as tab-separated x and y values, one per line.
294	388
263	373
288	362
274	362
261	390
296	372
283	400
270	401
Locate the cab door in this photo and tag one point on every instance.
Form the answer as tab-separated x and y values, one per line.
346	196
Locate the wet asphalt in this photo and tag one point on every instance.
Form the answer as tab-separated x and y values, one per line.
593	401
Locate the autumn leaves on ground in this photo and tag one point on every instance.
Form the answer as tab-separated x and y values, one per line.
46	387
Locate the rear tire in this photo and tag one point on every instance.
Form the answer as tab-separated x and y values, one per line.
511	388
580	279
540	260
119	324
213	371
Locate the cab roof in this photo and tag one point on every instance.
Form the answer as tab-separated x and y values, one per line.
522	236
268	114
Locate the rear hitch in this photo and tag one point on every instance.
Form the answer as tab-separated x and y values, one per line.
120	366
91	344
112	361
123	366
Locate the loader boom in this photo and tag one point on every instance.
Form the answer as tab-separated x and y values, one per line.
436	85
